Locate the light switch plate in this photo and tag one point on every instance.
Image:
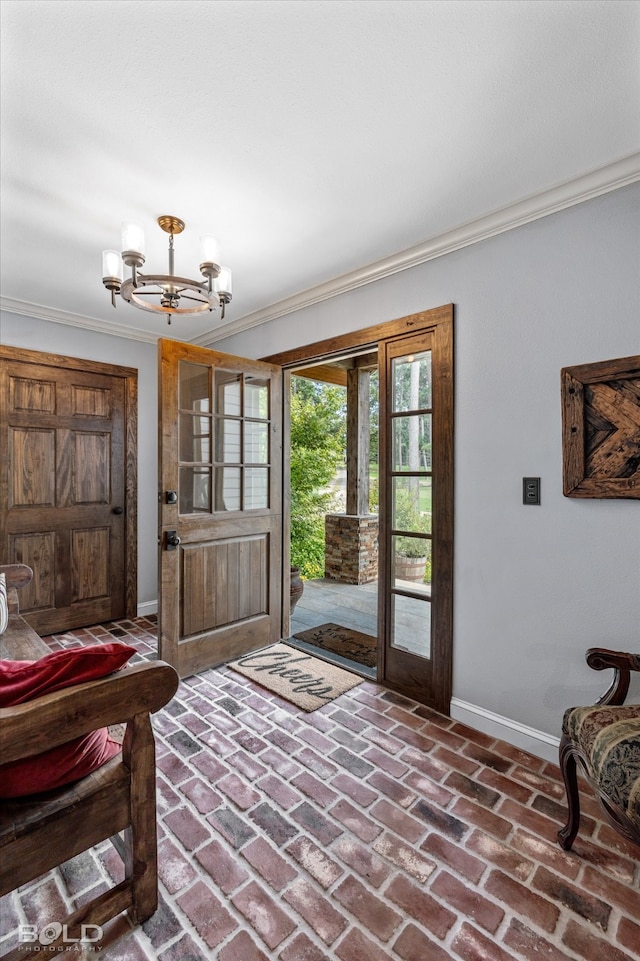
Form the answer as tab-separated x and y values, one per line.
530	490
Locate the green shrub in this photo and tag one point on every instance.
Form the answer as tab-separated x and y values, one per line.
317	445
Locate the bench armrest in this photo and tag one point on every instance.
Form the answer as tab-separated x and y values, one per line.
45	722
16	576
622	663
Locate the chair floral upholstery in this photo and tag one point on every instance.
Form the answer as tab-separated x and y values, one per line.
605	740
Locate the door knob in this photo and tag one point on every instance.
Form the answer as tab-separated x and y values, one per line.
172	540
118	510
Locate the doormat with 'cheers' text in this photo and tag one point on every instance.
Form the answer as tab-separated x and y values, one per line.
304	680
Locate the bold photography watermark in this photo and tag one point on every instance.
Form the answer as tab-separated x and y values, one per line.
54	938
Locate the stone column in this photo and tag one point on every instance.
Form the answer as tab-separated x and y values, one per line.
351	548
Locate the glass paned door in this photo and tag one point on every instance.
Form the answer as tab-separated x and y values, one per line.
416	496
220	531
411	503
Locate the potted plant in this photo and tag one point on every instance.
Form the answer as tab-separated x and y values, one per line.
410	559
410	552
296	587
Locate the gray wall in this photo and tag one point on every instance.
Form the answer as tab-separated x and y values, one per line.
534	586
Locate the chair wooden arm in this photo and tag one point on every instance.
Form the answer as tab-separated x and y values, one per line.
623	663
45	722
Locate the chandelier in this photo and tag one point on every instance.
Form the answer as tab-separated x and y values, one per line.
166	293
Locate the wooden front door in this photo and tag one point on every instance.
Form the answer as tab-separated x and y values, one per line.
220	516
68	486
416	510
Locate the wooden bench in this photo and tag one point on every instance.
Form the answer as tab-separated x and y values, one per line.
117	801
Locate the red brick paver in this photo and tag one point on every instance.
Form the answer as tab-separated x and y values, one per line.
373	829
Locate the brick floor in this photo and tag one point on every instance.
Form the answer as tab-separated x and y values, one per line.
371	829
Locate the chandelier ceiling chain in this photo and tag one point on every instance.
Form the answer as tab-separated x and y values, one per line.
166	293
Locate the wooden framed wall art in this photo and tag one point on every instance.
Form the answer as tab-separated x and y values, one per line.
601	429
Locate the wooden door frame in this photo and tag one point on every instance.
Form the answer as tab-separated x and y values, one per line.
323	350
130	377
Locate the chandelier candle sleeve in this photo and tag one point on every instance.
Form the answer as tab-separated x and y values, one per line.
132	245
210	254
111	265
222	284
112	272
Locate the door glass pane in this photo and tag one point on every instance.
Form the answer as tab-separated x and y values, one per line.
227	387
194	386
256	397
411	625
411	560
256	488
412	504
227	492
411	443
411	382
195	490
195	440
256	442
228	440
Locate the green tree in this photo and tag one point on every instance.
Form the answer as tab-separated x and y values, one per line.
374	416
318	425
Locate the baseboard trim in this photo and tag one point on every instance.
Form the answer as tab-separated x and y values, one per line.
147	607
520	735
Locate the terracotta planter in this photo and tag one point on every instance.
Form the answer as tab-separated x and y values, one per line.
296	588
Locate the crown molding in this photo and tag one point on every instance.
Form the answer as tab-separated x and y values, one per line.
75	320
569	193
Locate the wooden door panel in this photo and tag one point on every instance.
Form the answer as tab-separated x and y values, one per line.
32	467
32	394
221	496
68	487
91	481
38	552
91	401
90	563
224	581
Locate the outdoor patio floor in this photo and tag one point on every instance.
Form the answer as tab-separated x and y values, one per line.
356	606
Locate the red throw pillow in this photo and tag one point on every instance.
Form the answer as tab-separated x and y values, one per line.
22	681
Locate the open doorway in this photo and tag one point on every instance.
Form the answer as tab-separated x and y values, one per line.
414	618
334	442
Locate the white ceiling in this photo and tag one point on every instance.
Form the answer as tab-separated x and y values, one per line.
311	137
